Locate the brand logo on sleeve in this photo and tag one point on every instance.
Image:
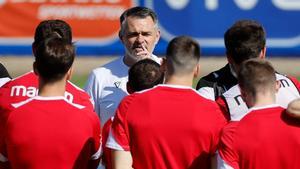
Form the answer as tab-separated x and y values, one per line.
117	84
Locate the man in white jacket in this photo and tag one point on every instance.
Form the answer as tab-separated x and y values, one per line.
106	85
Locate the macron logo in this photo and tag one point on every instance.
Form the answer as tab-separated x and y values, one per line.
23	91
32	91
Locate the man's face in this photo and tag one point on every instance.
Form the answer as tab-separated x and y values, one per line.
139	37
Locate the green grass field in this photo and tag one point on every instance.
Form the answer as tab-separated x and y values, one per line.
79	80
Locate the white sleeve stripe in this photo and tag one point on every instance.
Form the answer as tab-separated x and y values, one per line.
222	164
112	143
3	158
97	154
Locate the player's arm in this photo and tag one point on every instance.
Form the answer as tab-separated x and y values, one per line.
121	159
97	149
118	140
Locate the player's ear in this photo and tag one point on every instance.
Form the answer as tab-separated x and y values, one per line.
157	36
120	36
197	71
163	65
229	59
277	86
263	53
69	73
35	68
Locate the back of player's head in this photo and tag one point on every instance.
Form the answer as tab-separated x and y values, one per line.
244	40
183	54
257	76
46	28
138	12
144	74
54	58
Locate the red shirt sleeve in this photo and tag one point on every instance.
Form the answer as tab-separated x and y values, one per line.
119	125
106	159
221	121
226	147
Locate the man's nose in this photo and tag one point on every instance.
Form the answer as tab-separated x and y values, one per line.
140	38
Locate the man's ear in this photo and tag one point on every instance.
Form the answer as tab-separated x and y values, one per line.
277	86
36	72
120	36
157	37
197	71
263	53
163	65
69	73
229	59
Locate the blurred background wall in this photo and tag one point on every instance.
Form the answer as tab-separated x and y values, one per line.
95	25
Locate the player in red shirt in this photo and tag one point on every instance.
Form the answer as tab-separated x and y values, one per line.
49	131
170	125
266	137
142	75
26	85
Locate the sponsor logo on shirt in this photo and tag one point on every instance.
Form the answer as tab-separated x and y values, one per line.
32	91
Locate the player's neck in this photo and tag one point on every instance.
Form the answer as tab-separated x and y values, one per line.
52	89
179	80
265	99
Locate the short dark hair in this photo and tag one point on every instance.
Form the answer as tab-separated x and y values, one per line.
183	54
54	57
244	40
144	74
139	12
47	27
256	75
